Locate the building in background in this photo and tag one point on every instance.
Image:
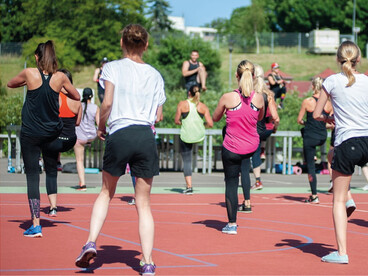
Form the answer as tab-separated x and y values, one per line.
207	34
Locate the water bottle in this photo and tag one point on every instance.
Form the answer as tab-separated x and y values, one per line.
10	166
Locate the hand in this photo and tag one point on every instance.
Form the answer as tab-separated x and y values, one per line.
330	119
101	133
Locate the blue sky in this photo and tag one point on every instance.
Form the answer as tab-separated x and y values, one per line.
199	12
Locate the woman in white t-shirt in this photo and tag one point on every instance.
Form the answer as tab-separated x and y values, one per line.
134	95
348	93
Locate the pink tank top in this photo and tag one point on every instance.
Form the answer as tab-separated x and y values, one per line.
241	127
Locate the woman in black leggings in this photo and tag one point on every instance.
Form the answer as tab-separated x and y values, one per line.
314	134
40	121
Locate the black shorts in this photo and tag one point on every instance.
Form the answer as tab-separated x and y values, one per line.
349	153
135	145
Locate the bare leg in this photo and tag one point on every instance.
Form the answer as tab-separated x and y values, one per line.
146	223
202	77
340	191
188	181
79	156
101	206
257	172
52	200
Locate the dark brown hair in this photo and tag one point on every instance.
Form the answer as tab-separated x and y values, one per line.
46	57
135	38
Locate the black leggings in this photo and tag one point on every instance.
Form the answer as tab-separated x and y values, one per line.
232	163
309	149
50	148
186	154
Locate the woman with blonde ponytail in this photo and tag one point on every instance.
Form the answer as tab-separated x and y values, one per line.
349	97
243	108
190	114
314	134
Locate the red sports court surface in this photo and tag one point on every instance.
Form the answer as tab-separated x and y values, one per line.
281	236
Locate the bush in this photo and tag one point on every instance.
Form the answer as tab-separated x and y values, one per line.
10	110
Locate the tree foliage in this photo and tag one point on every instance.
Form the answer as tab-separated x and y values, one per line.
159	11
88	28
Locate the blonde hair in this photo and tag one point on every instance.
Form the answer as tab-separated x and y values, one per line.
347	55
317	85
259	83
245	72
194	94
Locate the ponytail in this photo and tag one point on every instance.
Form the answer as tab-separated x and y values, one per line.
245	72
46	57
348	55
317	85
194	93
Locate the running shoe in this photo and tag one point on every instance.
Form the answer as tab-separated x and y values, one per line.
335	258
365	188
257	186
82	188
53	212
147	269
231	230
88	253
350	207
312	200
188	191
245	209
131	202
33	232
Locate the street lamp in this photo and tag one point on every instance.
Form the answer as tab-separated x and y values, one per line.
230	51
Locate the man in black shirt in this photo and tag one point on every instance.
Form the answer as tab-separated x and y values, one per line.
194	72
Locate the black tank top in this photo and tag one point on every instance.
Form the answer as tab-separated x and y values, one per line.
261	125
313	128
40	112
275	78
194	76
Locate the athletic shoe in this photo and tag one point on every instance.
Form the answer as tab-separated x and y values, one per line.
131	202
245	209
88	253
330	190
82	188
365	188
335	258
147	269
350	207
53	212
33	232
232	230
257	186
188	191
312	200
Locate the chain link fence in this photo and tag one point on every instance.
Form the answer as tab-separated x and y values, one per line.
11	48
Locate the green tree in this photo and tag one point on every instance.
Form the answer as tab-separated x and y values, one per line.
11	16
159	11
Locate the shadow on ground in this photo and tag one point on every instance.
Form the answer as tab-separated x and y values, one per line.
215	224
25	224
111	254
318	249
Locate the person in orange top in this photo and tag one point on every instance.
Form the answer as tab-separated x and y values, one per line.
70	112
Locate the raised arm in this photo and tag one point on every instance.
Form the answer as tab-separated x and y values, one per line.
302	110
178	114
220	109
318	111
19	80
69	90
207	117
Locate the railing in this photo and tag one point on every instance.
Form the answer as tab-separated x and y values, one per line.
168	144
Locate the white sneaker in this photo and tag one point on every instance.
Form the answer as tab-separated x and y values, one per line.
365	188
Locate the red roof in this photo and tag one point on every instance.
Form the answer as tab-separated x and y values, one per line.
328	72
301	86
283	75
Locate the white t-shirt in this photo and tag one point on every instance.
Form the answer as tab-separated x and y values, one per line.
350	105
139	91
